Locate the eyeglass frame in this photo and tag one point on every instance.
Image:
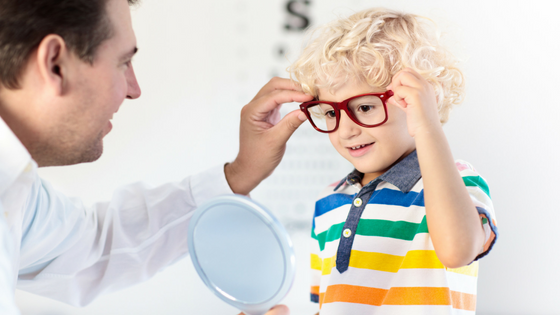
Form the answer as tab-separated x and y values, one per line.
344	106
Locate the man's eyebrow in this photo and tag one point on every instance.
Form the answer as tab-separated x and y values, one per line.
129	54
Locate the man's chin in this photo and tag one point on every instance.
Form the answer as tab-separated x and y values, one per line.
91	156
52	157
91	153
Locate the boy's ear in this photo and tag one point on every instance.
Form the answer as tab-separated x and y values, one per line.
53	58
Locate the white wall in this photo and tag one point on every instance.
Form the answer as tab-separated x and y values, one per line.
201	61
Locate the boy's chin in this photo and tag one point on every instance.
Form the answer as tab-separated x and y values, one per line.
370	170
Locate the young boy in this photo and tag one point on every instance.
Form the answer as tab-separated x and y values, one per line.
402	233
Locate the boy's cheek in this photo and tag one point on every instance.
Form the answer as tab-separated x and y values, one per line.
334	140
339	148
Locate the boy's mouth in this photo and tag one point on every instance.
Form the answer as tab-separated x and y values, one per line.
359	146
359	150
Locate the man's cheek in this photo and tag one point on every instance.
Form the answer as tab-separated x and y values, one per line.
119	92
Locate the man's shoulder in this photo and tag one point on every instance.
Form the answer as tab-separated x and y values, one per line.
14	158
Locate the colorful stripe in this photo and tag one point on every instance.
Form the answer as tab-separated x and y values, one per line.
398	296
352	294
315	289
401	230
316	262
477	181
414	259
383	197
469	270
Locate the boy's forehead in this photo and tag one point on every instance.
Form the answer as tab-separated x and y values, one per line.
347	90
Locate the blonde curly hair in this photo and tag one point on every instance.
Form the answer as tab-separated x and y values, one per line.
372	46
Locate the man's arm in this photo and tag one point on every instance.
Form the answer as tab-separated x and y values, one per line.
263	136
73	253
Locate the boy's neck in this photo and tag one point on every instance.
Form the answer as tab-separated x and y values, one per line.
368	177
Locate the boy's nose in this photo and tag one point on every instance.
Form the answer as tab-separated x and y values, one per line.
346	127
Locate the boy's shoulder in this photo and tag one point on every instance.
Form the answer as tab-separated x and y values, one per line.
338	187
465	167
329	190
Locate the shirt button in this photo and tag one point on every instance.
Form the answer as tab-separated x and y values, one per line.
357	202
347	233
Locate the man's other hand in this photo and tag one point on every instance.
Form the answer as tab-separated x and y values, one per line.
263	136
277	310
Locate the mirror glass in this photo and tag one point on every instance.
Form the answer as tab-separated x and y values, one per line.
242	253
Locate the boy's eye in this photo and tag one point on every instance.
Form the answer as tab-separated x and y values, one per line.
330	114
366	108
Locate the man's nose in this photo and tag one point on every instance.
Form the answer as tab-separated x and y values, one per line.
133	91
346	127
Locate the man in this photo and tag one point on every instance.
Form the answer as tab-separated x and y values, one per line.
65	68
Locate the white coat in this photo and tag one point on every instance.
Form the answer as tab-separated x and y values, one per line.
54	246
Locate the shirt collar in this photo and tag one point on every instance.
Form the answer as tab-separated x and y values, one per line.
14	157
403	175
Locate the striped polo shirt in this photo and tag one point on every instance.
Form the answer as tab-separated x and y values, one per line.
371	250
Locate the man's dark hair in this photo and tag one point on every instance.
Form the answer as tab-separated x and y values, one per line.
83	24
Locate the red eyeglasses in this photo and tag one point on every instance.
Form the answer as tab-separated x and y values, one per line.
366	110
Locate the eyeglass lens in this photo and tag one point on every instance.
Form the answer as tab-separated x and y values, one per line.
368	110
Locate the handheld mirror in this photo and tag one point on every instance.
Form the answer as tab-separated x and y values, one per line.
242	253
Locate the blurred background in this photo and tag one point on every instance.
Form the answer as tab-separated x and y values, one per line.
201	61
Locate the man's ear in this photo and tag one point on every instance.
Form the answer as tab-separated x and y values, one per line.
53	58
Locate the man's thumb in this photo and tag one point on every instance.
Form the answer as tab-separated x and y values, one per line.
290	123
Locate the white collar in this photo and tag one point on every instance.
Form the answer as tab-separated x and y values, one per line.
14	157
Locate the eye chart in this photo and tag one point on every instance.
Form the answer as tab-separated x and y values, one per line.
310	162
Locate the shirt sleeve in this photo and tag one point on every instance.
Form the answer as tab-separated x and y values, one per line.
7	301
73	253
480	195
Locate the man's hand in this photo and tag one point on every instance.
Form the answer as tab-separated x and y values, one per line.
277	310
263	136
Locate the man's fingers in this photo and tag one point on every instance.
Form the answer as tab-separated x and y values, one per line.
277	310
274	116
278	84
264	105
290	123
